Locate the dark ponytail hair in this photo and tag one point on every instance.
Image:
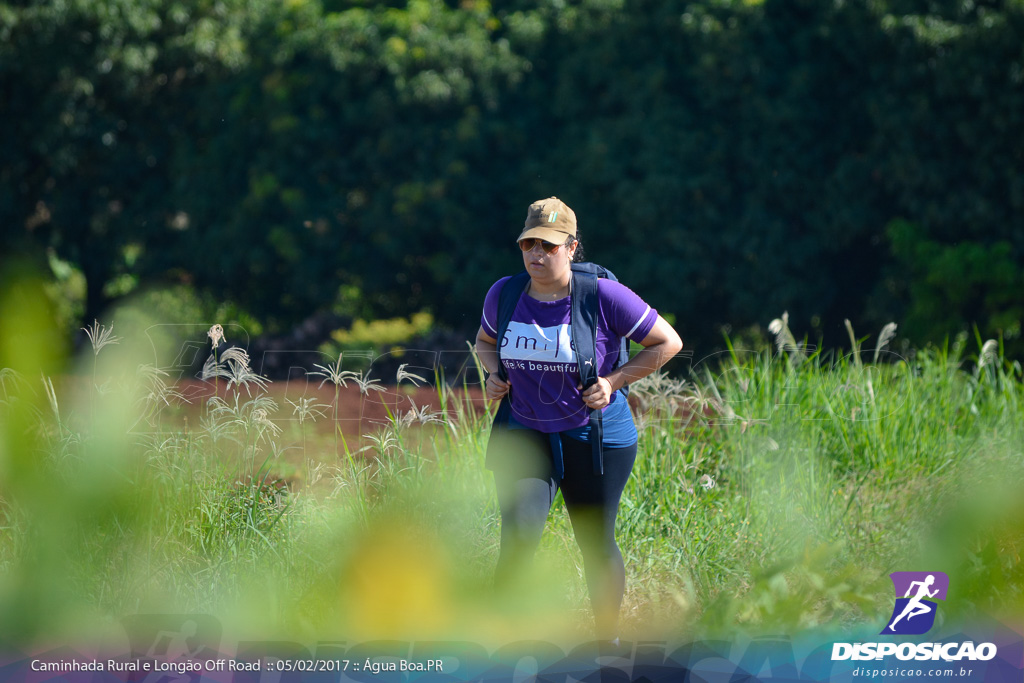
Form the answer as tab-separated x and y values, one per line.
579	256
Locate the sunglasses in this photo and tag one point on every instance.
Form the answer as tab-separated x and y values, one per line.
529	243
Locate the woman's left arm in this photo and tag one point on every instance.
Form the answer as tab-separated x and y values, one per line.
660	345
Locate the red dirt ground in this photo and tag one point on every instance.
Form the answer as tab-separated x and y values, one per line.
357	412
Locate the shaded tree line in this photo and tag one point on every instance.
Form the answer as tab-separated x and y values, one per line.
728	159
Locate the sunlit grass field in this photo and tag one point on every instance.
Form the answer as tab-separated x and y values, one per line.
774	491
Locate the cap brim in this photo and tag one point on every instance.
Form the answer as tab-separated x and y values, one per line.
546	234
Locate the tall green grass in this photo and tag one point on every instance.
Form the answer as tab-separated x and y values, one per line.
772	490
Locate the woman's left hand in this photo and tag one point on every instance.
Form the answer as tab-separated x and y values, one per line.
598	395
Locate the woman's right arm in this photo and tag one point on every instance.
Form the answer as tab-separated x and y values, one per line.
487	350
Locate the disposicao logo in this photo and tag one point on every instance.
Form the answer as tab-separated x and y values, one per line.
914	615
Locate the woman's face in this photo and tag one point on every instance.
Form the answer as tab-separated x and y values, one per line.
548	266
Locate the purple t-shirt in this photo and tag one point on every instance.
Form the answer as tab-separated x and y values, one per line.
540	360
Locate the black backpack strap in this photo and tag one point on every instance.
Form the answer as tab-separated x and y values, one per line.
601	271
507	300
583	321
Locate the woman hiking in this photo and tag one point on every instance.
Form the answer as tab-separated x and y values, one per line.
556	431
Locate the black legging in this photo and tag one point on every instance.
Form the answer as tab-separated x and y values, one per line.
526	485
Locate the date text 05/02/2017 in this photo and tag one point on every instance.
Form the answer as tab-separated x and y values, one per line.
368	665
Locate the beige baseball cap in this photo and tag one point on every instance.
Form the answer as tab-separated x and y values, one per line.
549	219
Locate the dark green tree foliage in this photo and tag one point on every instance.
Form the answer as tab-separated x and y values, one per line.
951	155
721	146
341	148
270	153
73	166
728	159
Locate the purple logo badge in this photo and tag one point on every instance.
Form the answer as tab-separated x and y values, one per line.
916	593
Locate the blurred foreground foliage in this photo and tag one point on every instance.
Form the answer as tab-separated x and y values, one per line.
773	493
725	157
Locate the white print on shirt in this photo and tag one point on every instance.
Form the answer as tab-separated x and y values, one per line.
527	344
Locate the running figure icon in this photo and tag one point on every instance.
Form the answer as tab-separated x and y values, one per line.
915	606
